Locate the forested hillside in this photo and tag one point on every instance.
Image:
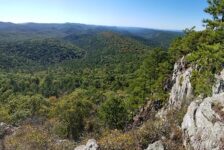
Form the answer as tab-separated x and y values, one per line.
71	81
19	32
37	53
62	84
114	88
75	82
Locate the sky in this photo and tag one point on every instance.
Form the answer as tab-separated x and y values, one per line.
157	14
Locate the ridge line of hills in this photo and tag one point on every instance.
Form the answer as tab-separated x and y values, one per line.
31	45
2	24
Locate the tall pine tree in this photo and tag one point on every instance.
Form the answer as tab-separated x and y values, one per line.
216	9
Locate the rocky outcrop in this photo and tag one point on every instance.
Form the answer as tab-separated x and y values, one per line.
181	90
203	125
144	114
219	84
90	145
147	112
156	146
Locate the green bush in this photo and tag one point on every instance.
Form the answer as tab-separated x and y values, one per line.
114	113
21	107
72	111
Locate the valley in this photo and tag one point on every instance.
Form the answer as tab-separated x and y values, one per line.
70	86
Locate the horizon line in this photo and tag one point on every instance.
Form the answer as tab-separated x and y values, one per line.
100	25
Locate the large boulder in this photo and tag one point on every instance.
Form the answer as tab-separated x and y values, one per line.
156	146
90	145
203	124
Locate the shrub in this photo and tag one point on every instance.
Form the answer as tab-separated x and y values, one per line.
60	129
114	113
138	138
72	111
4	115
22	107
117	140
35	138
27	138
150	132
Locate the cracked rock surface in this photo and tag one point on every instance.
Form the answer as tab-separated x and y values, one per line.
181	89
203	124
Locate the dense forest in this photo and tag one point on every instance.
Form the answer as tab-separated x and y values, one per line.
79	80
74	81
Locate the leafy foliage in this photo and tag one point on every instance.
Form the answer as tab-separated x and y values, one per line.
37	53
80	80
113	113
204	49
72	110
90	81
215	8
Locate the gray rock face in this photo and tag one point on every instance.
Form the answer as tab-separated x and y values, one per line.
90	145
219	85
203	125
181	90
155	146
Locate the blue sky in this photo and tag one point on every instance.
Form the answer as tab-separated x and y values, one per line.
160	14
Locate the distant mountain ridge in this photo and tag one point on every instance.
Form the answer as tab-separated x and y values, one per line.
68	24
24	31
31	45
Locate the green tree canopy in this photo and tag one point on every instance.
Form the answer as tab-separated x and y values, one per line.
72	110
216	9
